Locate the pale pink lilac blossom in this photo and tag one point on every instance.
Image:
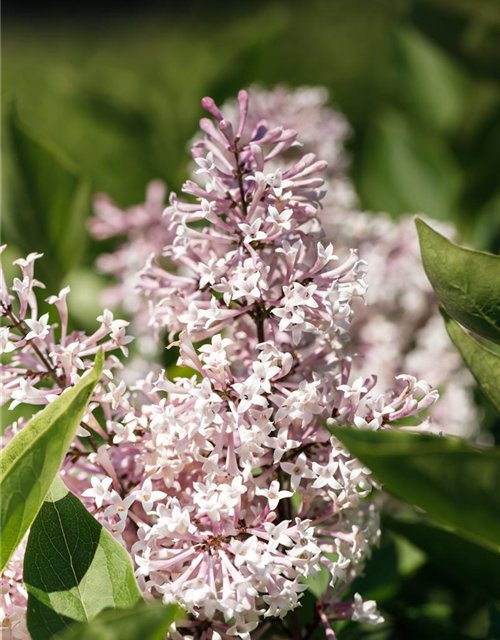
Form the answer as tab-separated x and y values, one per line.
41	359
194	475
13	598
399	329
231	443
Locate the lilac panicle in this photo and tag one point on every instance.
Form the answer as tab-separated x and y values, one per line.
225	486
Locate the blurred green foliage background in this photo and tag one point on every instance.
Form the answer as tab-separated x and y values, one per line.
419	80
115	97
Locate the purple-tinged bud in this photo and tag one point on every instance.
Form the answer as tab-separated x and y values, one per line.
243	102
258	156
369	382
428	400
308	159
321	165
288	134
271	136
209	105
226	129
260	129
208	127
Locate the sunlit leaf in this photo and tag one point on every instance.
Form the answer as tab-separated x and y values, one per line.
466	281
73	567
31	460
483	363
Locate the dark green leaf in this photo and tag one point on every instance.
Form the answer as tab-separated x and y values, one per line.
483	363
459	559
30	462
52	203
454	482
73	567
466	281
146	621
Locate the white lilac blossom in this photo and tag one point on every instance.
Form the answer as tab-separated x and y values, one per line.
230	445
41	359
225	486
13	598
398	330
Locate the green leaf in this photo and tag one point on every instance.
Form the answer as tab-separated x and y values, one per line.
458	558
49	211
73	567
146	621
30	462
483	363
466	281
455	483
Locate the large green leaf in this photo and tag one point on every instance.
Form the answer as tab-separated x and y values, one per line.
482	362
460	559
147	622
73	567
30	462
466	281
48	211
455	483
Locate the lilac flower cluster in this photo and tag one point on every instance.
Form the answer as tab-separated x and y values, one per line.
233	443
398	329
226	487
42	365
40	360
